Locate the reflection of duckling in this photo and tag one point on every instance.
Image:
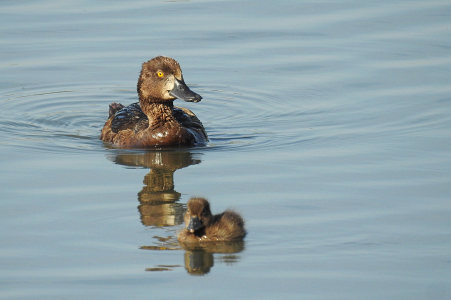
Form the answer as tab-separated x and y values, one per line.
198	262
202	226
199	256
155	122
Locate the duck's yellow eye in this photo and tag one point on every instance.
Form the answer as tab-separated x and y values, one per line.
160	74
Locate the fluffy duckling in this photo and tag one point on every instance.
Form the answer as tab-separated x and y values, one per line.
154	121
202	226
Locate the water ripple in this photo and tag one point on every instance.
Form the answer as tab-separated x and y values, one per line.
59	118
62	118
53	118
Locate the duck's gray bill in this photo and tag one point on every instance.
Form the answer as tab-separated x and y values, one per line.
182	91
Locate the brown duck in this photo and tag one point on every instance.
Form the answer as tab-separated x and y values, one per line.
202	226
155	121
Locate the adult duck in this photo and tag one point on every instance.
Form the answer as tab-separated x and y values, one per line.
155	121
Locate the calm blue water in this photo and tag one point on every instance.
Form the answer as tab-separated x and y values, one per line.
330	132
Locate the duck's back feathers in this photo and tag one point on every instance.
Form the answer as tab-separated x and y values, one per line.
129	117
126	123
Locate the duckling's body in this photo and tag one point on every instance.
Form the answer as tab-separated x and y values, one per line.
154	121
202	226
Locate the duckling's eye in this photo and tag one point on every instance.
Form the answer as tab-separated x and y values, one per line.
160	74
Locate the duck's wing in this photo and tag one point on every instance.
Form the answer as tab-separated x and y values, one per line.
188	119
129	117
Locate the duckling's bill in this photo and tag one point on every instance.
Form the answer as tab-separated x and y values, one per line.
194	224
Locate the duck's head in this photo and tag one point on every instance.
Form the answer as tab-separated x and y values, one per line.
198	215
161	80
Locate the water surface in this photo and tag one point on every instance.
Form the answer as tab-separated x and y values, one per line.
329	128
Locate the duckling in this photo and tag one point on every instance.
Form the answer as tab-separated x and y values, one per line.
202	226
155	121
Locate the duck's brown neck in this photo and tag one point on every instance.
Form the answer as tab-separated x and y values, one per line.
157	113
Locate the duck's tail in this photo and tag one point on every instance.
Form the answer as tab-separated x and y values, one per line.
114	107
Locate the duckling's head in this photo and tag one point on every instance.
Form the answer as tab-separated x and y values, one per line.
198	215
161	80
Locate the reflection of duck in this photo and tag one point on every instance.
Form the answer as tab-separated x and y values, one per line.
202	226
155	121
158	199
